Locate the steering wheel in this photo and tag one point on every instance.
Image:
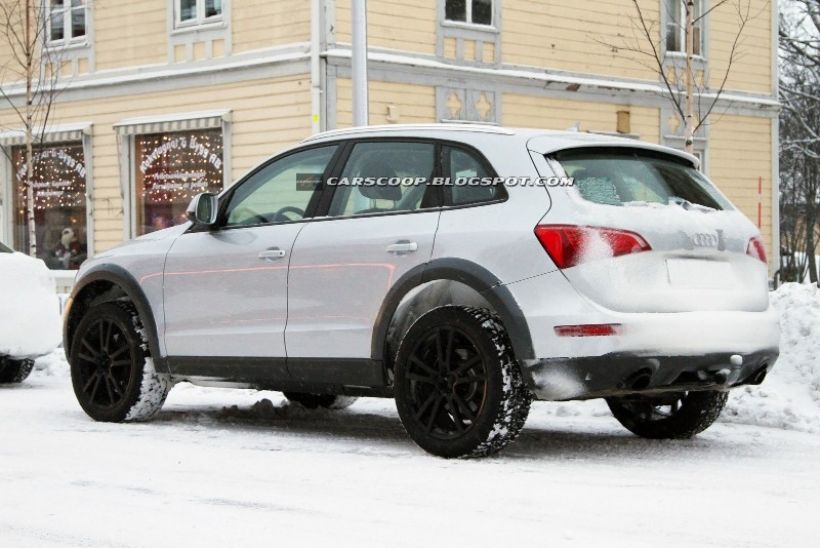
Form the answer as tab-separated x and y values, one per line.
280	216
249	217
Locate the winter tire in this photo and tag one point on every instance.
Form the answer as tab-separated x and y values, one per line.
325	401
15	371
112	373
679	415
459	391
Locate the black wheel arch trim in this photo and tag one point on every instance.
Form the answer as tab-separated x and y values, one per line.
120	277
470	274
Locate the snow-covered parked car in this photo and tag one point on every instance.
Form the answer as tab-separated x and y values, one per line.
30	316
600	267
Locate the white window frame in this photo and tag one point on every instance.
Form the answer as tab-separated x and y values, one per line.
200	19
681	29
468	17
69	6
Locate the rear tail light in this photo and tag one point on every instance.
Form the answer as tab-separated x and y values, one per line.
588	330
569	245
756	249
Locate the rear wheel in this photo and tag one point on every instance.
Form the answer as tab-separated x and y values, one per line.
113	376
459	391
677	415
325	401
15	371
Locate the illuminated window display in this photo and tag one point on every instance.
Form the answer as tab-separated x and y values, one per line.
58	182
170	169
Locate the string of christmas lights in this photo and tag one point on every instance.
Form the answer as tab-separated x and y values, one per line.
171	169
58	177
58	184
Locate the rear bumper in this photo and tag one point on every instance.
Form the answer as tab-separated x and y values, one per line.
619	374
549	300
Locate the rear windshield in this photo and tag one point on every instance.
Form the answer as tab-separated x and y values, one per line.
4	249
635	178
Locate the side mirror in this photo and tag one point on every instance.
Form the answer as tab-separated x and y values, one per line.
203	209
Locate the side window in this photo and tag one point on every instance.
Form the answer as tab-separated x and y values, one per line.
384	177
66	21
676	26
476	12
281	191
466	185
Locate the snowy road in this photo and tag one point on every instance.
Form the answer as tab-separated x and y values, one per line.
206	474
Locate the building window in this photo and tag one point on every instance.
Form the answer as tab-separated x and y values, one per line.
58	183
67	20
476	12
197	12
676	26
171	168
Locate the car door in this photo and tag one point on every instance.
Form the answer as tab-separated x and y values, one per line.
343	265
226	289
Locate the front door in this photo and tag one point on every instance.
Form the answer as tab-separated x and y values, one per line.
343	265
226	289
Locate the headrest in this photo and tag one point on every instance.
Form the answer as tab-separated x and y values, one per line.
378	168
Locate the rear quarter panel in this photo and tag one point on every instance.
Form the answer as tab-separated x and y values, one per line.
499	236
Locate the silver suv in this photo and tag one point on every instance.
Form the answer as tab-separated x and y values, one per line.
462	270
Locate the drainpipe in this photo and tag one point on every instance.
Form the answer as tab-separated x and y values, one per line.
315	66
359	61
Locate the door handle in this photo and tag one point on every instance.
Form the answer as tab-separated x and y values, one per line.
402	247
271	254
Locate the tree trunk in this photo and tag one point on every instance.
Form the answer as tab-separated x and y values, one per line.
30	52
810	251
811	218
690	76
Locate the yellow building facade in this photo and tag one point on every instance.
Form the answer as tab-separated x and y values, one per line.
161	99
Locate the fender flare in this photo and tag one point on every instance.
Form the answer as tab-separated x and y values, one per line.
120	277
469	273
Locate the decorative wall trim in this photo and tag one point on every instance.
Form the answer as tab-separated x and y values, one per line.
387	66
273	62
466	104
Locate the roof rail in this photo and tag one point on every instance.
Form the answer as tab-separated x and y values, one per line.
472	127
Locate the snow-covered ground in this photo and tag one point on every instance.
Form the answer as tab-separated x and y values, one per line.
244	468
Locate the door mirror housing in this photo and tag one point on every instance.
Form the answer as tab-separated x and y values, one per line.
203	209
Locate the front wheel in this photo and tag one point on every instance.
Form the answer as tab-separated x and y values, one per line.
459	391
677	415
15	371
113	376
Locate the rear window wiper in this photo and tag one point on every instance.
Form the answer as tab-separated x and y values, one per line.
687	205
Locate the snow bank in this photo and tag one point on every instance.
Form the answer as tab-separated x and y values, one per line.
29	309
52	365
790	395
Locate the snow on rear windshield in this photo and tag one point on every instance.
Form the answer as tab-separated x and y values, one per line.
4	249
623	177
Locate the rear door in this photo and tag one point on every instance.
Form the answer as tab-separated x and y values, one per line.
700	243
343	265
